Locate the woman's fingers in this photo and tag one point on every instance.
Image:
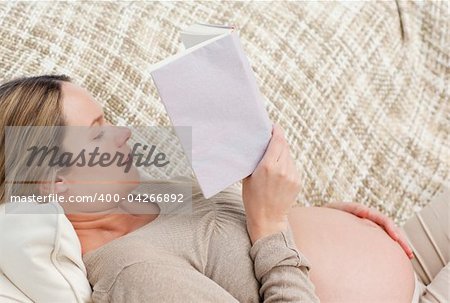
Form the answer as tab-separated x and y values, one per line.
377	217
382	220
405	246
285	159
403	241
275	146
391	229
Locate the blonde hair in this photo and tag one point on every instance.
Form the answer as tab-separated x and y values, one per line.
29	101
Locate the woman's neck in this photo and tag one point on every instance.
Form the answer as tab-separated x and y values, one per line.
97	229
115	220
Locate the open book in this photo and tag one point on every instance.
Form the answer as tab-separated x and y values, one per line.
210	86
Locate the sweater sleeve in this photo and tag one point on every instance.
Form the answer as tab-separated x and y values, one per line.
282	270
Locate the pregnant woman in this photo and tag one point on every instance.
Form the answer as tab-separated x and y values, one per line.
247	246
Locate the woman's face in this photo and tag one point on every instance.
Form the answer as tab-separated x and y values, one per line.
89	133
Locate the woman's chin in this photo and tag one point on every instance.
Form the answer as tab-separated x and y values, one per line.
352	259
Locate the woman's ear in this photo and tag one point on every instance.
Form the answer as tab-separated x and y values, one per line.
60	186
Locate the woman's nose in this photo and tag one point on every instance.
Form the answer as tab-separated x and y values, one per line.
122	136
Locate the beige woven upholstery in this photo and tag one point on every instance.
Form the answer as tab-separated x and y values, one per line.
361	88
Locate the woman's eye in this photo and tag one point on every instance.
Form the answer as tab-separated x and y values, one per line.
99	135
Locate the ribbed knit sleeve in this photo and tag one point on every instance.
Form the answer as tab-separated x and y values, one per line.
282	270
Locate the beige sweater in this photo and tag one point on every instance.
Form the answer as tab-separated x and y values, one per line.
205	256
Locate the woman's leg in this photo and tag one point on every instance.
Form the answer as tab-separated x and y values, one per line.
429	236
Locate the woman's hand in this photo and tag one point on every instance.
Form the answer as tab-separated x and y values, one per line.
269	192
377	217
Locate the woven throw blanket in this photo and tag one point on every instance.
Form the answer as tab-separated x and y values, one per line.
361	88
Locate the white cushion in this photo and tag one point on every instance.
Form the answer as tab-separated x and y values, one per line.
40	255
10	293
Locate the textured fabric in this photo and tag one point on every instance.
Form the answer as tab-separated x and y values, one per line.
205	256
361	88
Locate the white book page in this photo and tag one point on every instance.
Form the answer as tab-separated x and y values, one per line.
201	32
213	89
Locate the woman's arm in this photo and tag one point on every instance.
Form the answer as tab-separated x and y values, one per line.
268	194
282	270
270	191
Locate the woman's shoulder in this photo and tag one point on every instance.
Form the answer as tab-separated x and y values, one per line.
105	264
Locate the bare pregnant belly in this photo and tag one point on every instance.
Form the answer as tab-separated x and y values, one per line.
352	259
